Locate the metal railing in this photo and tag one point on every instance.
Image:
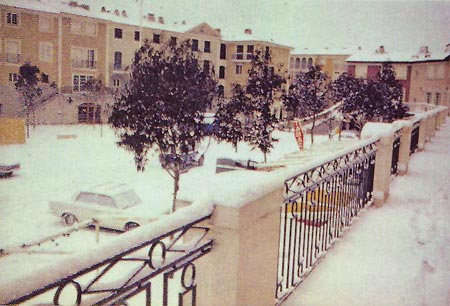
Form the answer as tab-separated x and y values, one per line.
165	263
414	138
242	56
395	153
318	205
12	58
84	64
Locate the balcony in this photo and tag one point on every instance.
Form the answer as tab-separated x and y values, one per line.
12	58
242	57
84	64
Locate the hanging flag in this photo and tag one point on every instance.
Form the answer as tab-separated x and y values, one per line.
298	133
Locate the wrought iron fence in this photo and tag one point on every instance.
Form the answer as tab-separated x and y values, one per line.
164	264
395	153
319	204
414	138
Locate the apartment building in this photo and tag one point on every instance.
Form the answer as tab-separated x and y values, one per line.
331	61
73	42
425	76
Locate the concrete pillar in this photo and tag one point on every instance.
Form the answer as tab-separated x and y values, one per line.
405	145
433	125
241	269
422	133
382	177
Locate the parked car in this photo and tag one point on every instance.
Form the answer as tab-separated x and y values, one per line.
188	160
114	206
348	135
7	169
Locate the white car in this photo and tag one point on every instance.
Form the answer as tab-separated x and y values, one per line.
113	206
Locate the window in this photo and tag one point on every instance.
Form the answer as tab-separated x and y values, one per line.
79	82
239	52
46	52
297	63
0	108
223	51
267	54
206	66
83	58
12	19
437	98
207	48
118	33
45	24
117	60
90	29
221	91
428	97
12	50
310	62
173	41
195	45
238	68
303	63
76	27
221	72
156	38
13	77
137	36
116	83
250	50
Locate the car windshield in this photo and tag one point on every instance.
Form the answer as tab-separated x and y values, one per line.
99	199
127	199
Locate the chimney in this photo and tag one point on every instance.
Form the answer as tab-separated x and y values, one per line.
85	6
381	50
73	3
183	22
151	17
248	31
124	13
424	50
116	12
218	30
447	48
161	20
103	9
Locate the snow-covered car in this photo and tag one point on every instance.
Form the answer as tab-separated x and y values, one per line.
113	206
189	160
347	135
7	169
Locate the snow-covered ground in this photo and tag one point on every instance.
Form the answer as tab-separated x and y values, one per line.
58	160
396	255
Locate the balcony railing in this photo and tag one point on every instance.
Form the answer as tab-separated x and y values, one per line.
395	153
414	138
84	64
12	58
319	205
159	271
242	56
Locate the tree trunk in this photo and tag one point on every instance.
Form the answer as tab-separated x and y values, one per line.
28	123
265	157
312	130
176	187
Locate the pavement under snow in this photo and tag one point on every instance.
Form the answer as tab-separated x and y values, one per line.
398	254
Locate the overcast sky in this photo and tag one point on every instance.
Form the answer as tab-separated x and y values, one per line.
398	25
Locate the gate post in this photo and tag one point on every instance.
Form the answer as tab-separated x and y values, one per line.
241	269
382	178
405	144
422	133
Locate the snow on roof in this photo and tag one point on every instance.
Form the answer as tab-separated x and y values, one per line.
250	37
30	4
323	51
374	57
